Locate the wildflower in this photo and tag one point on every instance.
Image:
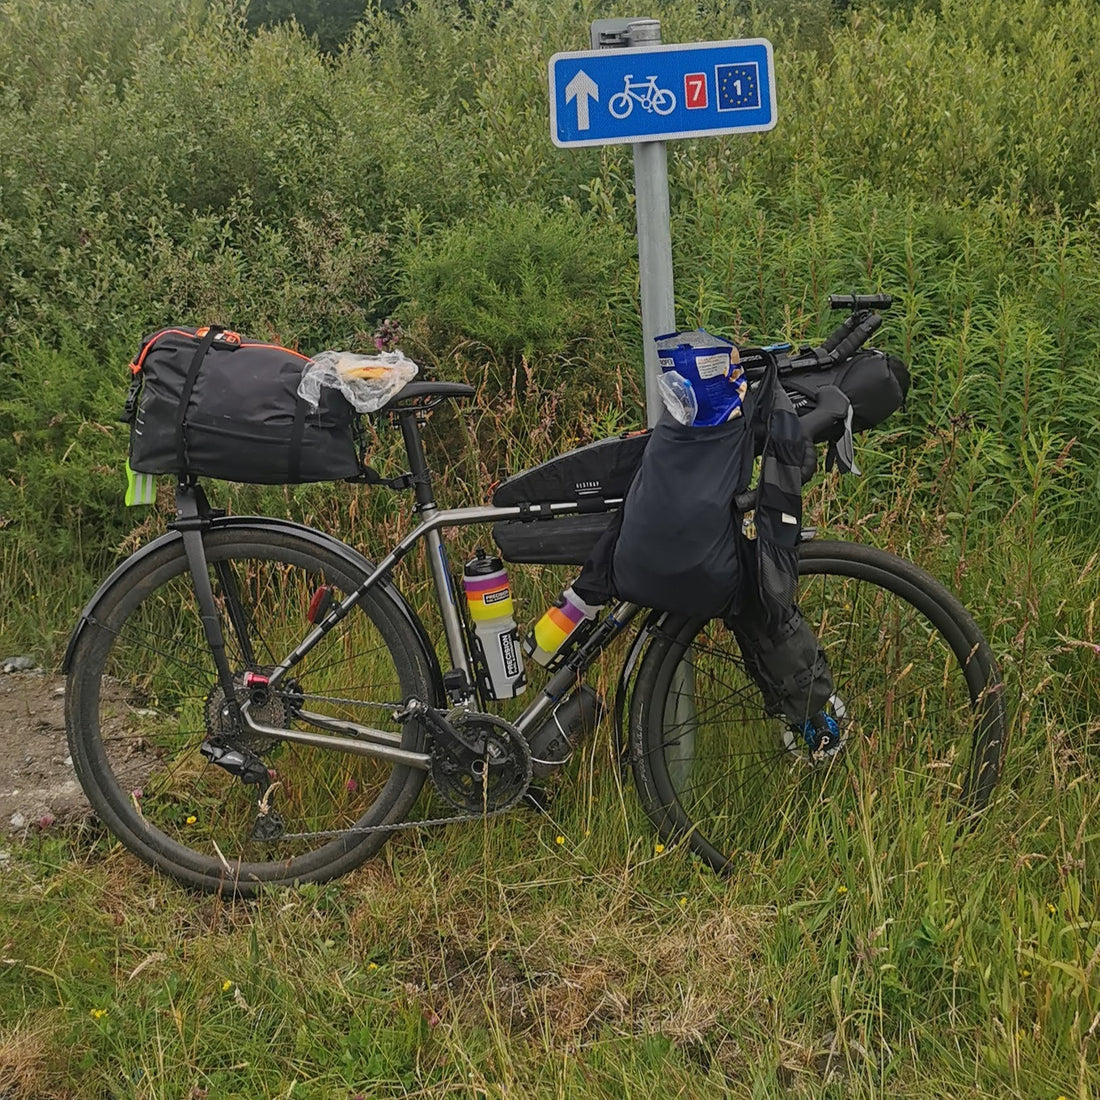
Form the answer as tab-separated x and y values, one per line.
45	821
352	786
98	1013
1051	909
559	839
842	889
372	966
658	848
683	901
191	819
227	985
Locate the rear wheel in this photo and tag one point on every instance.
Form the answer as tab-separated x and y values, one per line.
918	704
144	707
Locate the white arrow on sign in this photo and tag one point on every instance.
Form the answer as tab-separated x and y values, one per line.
580	88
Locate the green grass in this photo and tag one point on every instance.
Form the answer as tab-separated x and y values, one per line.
485	961
411	175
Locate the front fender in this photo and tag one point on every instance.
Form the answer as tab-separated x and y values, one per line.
622	689
384	586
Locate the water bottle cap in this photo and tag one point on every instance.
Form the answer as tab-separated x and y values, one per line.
482	564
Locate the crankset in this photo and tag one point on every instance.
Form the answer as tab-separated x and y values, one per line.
479	763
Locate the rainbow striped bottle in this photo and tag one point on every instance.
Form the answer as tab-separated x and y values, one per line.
495	638
564	622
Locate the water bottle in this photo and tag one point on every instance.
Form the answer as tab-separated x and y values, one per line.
496	641
567	622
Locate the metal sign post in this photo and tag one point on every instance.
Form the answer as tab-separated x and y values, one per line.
631	89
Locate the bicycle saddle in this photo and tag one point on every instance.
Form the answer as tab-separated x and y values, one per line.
426	394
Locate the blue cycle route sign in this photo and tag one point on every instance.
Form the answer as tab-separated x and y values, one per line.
658	93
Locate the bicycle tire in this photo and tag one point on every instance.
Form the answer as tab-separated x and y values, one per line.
142	695
620	105
921	694
664	102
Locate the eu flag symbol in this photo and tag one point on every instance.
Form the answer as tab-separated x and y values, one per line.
738	86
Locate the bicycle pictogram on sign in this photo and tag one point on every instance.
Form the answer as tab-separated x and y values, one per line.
645	93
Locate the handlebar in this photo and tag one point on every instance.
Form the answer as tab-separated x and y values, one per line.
846	339
860	301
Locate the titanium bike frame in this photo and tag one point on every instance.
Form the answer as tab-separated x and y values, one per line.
353	737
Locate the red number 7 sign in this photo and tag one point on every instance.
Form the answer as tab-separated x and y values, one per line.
695	90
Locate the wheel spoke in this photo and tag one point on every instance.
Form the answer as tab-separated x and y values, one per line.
146	698
715	768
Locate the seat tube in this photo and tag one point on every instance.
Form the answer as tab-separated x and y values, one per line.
437	552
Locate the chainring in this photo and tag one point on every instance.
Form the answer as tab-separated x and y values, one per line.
490	776
270	708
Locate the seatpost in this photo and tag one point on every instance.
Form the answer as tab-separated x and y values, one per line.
418	463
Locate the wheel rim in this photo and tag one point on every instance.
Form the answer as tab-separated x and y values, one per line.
153	696
921	736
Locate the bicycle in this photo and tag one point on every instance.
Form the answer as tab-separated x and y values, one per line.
252	702
646	93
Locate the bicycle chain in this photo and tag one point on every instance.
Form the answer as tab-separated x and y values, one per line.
397	826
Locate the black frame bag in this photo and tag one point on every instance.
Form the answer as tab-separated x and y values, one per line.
590	475
209	402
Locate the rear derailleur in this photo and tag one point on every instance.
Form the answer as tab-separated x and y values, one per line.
233	751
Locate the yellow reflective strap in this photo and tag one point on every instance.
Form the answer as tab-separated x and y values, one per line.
140	488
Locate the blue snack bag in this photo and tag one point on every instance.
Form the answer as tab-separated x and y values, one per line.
711	366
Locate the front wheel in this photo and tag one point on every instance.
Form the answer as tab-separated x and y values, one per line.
918	700
144	705
664	102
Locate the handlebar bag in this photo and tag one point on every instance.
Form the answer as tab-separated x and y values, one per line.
678	547
591	476
210	402
875	384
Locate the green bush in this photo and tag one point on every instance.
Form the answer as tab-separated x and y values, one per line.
518	280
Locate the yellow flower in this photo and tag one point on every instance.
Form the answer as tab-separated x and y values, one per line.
227	985
658	848
191	819
683	901
372	966
559	840
1051	909
98	1013
842	889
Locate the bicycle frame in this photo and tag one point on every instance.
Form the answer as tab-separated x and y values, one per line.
353	737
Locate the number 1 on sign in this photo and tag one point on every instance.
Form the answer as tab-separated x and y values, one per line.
695	91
